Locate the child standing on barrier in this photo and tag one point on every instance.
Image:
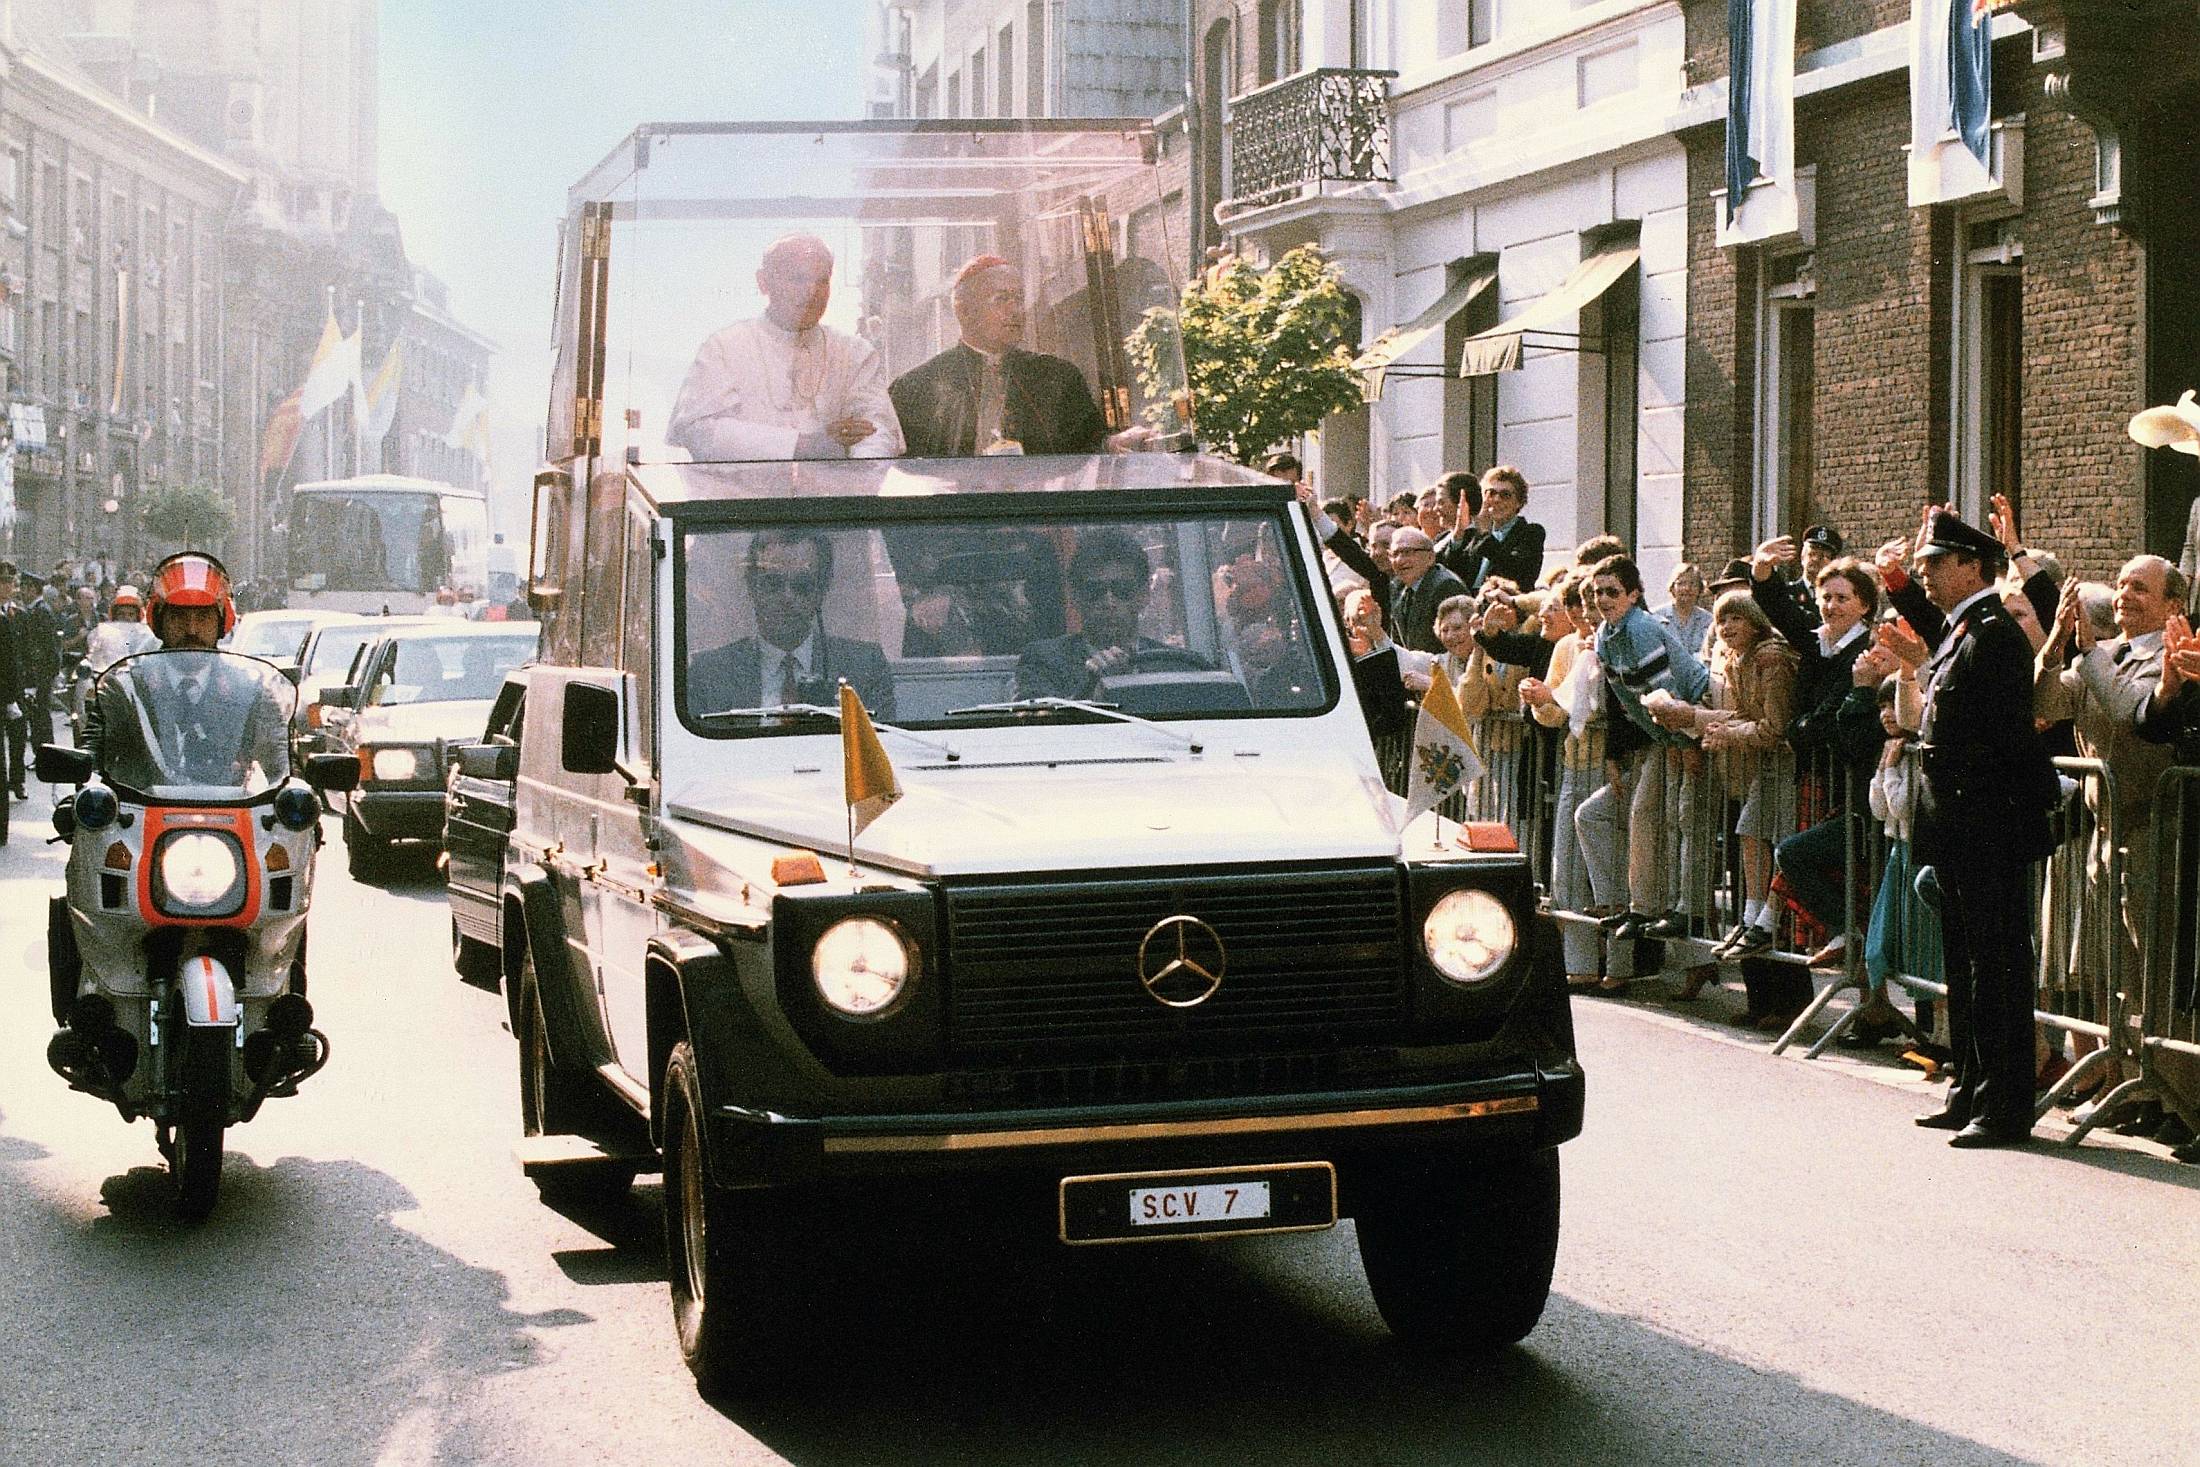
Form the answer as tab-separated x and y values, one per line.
1904	937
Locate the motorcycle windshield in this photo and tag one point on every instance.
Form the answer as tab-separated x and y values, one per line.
186	725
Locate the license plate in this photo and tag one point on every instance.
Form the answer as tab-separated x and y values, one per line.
1134	1207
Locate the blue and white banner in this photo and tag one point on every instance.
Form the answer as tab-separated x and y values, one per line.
1760	96
1951	78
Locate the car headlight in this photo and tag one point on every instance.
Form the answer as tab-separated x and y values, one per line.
201	872
860	966
396	765
1468	936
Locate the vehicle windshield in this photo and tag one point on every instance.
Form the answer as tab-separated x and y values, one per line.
336	646
935	621
192	725
451	669
738	293
386	540
274	637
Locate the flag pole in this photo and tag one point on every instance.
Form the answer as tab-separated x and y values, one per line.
328	426
358	388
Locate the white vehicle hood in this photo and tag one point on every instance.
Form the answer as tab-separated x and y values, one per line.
423	723
1118	814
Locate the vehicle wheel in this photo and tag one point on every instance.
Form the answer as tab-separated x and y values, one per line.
555	1101
475	960
363	854
724	1254
195	1151
1461	1261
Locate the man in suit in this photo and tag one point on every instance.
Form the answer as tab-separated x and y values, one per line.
1499	539
1981	822
13	730
791	659
1109	582
986	394
1420	586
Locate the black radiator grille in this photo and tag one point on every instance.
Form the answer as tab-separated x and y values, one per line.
1044	970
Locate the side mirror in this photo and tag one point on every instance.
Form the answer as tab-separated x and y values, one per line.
346	697
498	762
339	772
590	736
60	764
292	671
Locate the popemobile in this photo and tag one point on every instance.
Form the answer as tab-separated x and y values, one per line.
990	840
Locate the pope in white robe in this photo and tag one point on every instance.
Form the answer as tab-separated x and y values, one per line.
786	385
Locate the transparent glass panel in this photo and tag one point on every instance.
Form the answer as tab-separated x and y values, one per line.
1172	616
450	669
188	724
782	292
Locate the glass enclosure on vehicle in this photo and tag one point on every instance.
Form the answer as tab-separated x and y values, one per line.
744	292
189	725
277	638
449	669
382	541
1167	612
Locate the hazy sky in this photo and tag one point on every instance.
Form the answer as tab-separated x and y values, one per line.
492	108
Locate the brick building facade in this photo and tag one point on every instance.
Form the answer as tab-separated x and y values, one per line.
1991	336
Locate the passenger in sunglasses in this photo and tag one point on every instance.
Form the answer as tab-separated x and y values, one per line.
791	659
1109	582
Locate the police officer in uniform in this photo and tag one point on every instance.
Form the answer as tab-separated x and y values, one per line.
1981	822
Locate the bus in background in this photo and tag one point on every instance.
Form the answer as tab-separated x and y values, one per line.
385	543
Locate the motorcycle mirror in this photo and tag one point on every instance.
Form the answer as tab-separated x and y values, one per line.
339	772
60	764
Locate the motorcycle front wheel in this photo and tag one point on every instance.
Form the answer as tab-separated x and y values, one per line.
195	1149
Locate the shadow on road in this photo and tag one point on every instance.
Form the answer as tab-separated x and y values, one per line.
1238	1353
301	1323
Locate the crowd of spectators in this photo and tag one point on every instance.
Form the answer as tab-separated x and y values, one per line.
1722	768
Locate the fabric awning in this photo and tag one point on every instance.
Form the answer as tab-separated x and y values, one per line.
1375	363
1499	348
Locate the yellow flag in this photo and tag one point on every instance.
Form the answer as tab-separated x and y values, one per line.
868	773
1443	749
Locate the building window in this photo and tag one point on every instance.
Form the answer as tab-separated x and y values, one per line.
1279	39
11	181
954	94
1004	55
927	101
1989	367
1464	27
1036	99
978	97
1470	403
52	206
1787	395
1611	362
1218	72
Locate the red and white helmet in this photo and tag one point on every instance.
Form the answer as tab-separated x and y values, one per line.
126	596
191	578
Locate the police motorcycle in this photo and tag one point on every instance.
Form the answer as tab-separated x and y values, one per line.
177	955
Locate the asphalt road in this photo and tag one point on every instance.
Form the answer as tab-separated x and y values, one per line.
1762	1262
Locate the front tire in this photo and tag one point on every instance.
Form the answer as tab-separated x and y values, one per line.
195	1151
555	1101
364	856
1460	1259
723	1254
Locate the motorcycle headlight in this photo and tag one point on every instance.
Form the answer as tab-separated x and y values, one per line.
860	966
1468	935
96	807
396	765
198	873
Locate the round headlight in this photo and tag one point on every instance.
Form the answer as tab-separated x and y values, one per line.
860	966
1468	936
396	764
197	869
96	807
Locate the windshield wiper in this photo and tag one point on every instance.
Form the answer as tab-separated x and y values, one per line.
831	714
1078	705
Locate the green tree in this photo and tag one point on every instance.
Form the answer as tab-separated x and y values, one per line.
192	515
1267	353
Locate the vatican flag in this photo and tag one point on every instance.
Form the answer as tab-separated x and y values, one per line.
1443	752
868	774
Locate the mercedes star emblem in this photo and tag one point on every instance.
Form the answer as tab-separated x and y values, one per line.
1180	961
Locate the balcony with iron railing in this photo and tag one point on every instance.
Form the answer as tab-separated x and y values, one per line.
1327	125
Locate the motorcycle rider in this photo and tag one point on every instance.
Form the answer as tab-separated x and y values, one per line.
123	634
200	697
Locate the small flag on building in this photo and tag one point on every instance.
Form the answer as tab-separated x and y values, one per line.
868	774
1951	81
281	439
335	367
1760	96
1443	751
377	400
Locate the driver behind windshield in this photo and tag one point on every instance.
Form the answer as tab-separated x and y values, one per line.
791	659
1109	584
200	720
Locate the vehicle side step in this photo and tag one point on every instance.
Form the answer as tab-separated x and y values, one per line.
541	1155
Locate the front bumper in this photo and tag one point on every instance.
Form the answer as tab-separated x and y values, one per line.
399	814
1365	1133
